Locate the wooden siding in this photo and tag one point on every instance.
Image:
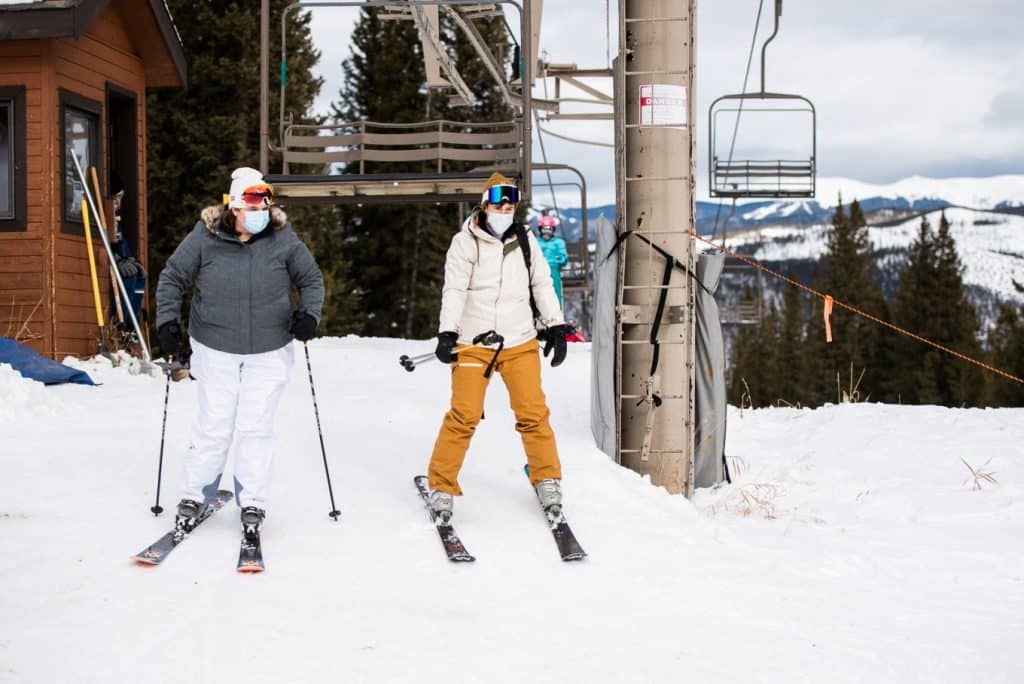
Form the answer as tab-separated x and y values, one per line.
24	255
85	66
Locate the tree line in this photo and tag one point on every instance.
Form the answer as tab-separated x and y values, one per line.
786	360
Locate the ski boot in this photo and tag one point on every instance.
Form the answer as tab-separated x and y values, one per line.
187	518
550	494
252	519
441	505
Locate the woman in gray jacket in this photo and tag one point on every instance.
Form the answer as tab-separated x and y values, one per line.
243	260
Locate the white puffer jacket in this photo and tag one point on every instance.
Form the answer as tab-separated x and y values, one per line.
486	287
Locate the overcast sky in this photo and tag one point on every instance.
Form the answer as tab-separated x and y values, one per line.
912	87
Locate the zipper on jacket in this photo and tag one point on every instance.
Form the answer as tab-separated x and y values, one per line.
249	251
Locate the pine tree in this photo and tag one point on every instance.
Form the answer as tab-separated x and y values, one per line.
753	373
930	300
196	136
400	249
912	310
849	274
789	361
1006	342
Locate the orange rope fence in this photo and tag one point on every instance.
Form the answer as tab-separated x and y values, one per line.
829	301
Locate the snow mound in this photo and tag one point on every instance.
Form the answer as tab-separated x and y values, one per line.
21	397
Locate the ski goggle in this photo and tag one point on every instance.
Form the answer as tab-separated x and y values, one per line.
496	194
255	197
258	196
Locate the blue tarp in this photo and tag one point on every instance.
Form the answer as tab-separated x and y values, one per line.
35	367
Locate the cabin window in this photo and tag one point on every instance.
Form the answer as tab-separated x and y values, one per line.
80	129
12	158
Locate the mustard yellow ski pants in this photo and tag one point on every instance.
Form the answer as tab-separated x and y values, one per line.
520	370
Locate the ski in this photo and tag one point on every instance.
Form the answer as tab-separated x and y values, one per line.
453	546
250	556
155	553
568	548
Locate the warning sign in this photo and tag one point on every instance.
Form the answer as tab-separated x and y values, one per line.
662	105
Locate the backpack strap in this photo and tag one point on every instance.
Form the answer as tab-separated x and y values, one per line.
524	246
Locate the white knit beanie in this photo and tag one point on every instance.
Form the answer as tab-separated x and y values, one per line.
242	179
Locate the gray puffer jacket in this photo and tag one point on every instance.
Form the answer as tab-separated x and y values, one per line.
241	303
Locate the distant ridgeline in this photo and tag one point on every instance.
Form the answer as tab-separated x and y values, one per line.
987	217
882	205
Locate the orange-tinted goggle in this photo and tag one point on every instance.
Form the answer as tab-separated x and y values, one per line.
258	196
255	197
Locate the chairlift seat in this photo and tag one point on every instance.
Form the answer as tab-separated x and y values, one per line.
761	178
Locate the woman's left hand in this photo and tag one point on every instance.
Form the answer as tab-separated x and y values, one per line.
555	341
303	326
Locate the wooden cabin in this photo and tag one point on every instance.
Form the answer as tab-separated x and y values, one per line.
73	74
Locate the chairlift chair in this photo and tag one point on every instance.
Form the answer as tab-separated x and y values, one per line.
730	177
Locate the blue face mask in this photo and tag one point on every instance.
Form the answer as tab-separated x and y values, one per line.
256	221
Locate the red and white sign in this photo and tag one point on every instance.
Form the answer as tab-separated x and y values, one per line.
662	105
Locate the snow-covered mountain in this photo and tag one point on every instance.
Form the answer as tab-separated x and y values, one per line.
990	244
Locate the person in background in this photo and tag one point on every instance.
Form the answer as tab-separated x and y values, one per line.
133	273
487	288
554	251
243	260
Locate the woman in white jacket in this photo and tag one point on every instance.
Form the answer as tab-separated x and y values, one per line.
487	288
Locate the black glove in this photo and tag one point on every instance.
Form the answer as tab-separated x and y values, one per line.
171	340
128	267
446	342
303	326
555	339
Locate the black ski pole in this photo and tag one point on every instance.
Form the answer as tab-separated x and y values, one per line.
157	509
316	411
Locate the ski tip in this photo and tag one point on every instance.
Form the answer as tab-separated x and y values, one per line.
145	562
251	568
574	557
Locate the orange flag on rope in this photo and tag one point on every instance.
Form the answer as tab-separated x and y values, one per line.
828	313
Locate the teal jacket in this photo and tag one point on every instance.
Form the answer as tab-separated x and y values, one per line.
556	255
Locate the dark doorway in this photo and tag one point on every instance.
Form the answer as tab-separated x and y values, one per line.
123	158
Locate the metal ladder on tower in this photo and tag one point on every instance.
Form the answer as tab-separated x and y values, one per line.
656	301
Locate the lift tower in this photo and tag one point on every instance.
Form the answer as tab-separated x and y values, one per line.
654	156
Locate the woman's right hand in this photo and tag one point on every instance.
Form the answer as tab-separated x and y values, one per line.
446	342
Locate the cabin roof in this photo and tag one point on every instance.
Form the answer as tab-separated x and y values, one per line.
43	19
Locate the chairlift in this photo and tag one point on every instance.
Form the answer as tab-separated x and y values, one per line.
762	177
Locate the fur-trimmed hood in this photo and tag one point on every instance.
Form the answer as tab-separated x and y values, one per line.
210	217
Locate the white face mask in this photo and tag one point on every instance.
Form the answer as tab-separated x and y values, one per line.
499	223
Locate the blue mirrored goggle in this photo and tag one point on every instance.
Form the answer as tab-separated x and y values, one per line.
497	194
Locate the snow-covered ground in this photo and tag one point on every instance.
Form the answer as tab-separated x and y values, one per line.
850	548
990	245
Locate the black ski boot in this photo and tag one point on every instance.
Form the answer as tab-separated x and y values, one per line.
188	515
252	519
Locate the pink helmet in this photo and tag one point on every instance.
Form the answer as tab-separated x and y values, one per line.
546	221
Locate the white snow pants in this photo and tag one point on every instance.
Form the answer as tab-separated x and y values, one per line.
238	395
